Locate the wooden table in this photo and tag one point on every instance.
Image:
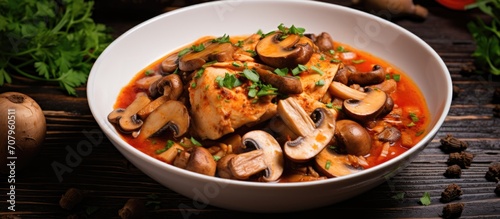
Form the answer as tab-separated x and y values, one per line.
112	180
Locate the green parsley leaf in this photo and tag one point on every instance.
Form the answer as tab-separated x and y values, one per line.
223	39
281	71
414	117
195	142
251	75
300	68
49	41
316	69
328	164
198	48
399	196
228	81
320	82
426	199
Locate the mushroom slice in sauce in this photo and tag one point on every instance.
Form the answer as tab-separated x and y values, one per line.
333	164
344	92
313	136
288	52
172	114
213	51
273	154
265	155
375	76
169	85
127	119
367	108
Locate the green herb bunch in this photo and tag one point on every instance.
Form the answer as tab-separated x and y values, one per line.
48	40
486	34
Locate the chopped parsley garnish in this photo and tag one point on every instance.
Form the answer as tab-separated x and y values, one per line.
223	39
358	61
320	82
228	81
195	142
281	71
251	75
414	117
328	164
426	199
183	52
316	69
291	30
198	48
300	68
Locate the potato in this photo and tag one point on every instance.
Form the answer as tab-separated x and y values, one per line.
23	130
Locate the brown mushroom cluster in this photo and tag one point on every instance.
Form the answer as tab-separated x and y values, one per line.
282	106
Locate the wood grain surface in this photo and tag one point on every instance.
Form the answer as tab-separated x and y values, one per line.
111	180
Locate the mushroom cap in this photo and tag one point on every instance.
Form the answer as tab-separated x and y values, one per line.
367	108
201	161
273	154
288	52
353	137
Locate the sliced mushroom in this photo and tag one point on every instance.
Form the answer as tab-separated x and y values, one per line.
127	119
181	160
375	76
201	161
389	134
343	74
213	51
170	63
324	42
333	164
353	137
171	153
265	156
223	169
281	130
367	108
145	82
245	165
273	155
313	136
284	84
344	92
169	85
171	115
288	52
148	109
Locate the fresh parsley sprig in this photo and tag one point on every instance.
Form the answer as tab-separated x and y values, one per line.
53	41
487	36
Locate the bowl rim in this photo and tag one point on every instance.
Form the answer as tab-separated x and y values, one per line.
115	138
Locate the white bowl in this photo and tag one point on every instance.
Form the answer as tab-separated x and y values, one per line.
154	38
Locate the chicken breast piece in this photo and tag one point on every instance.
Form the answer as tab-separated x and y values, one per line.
315	82
216	111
